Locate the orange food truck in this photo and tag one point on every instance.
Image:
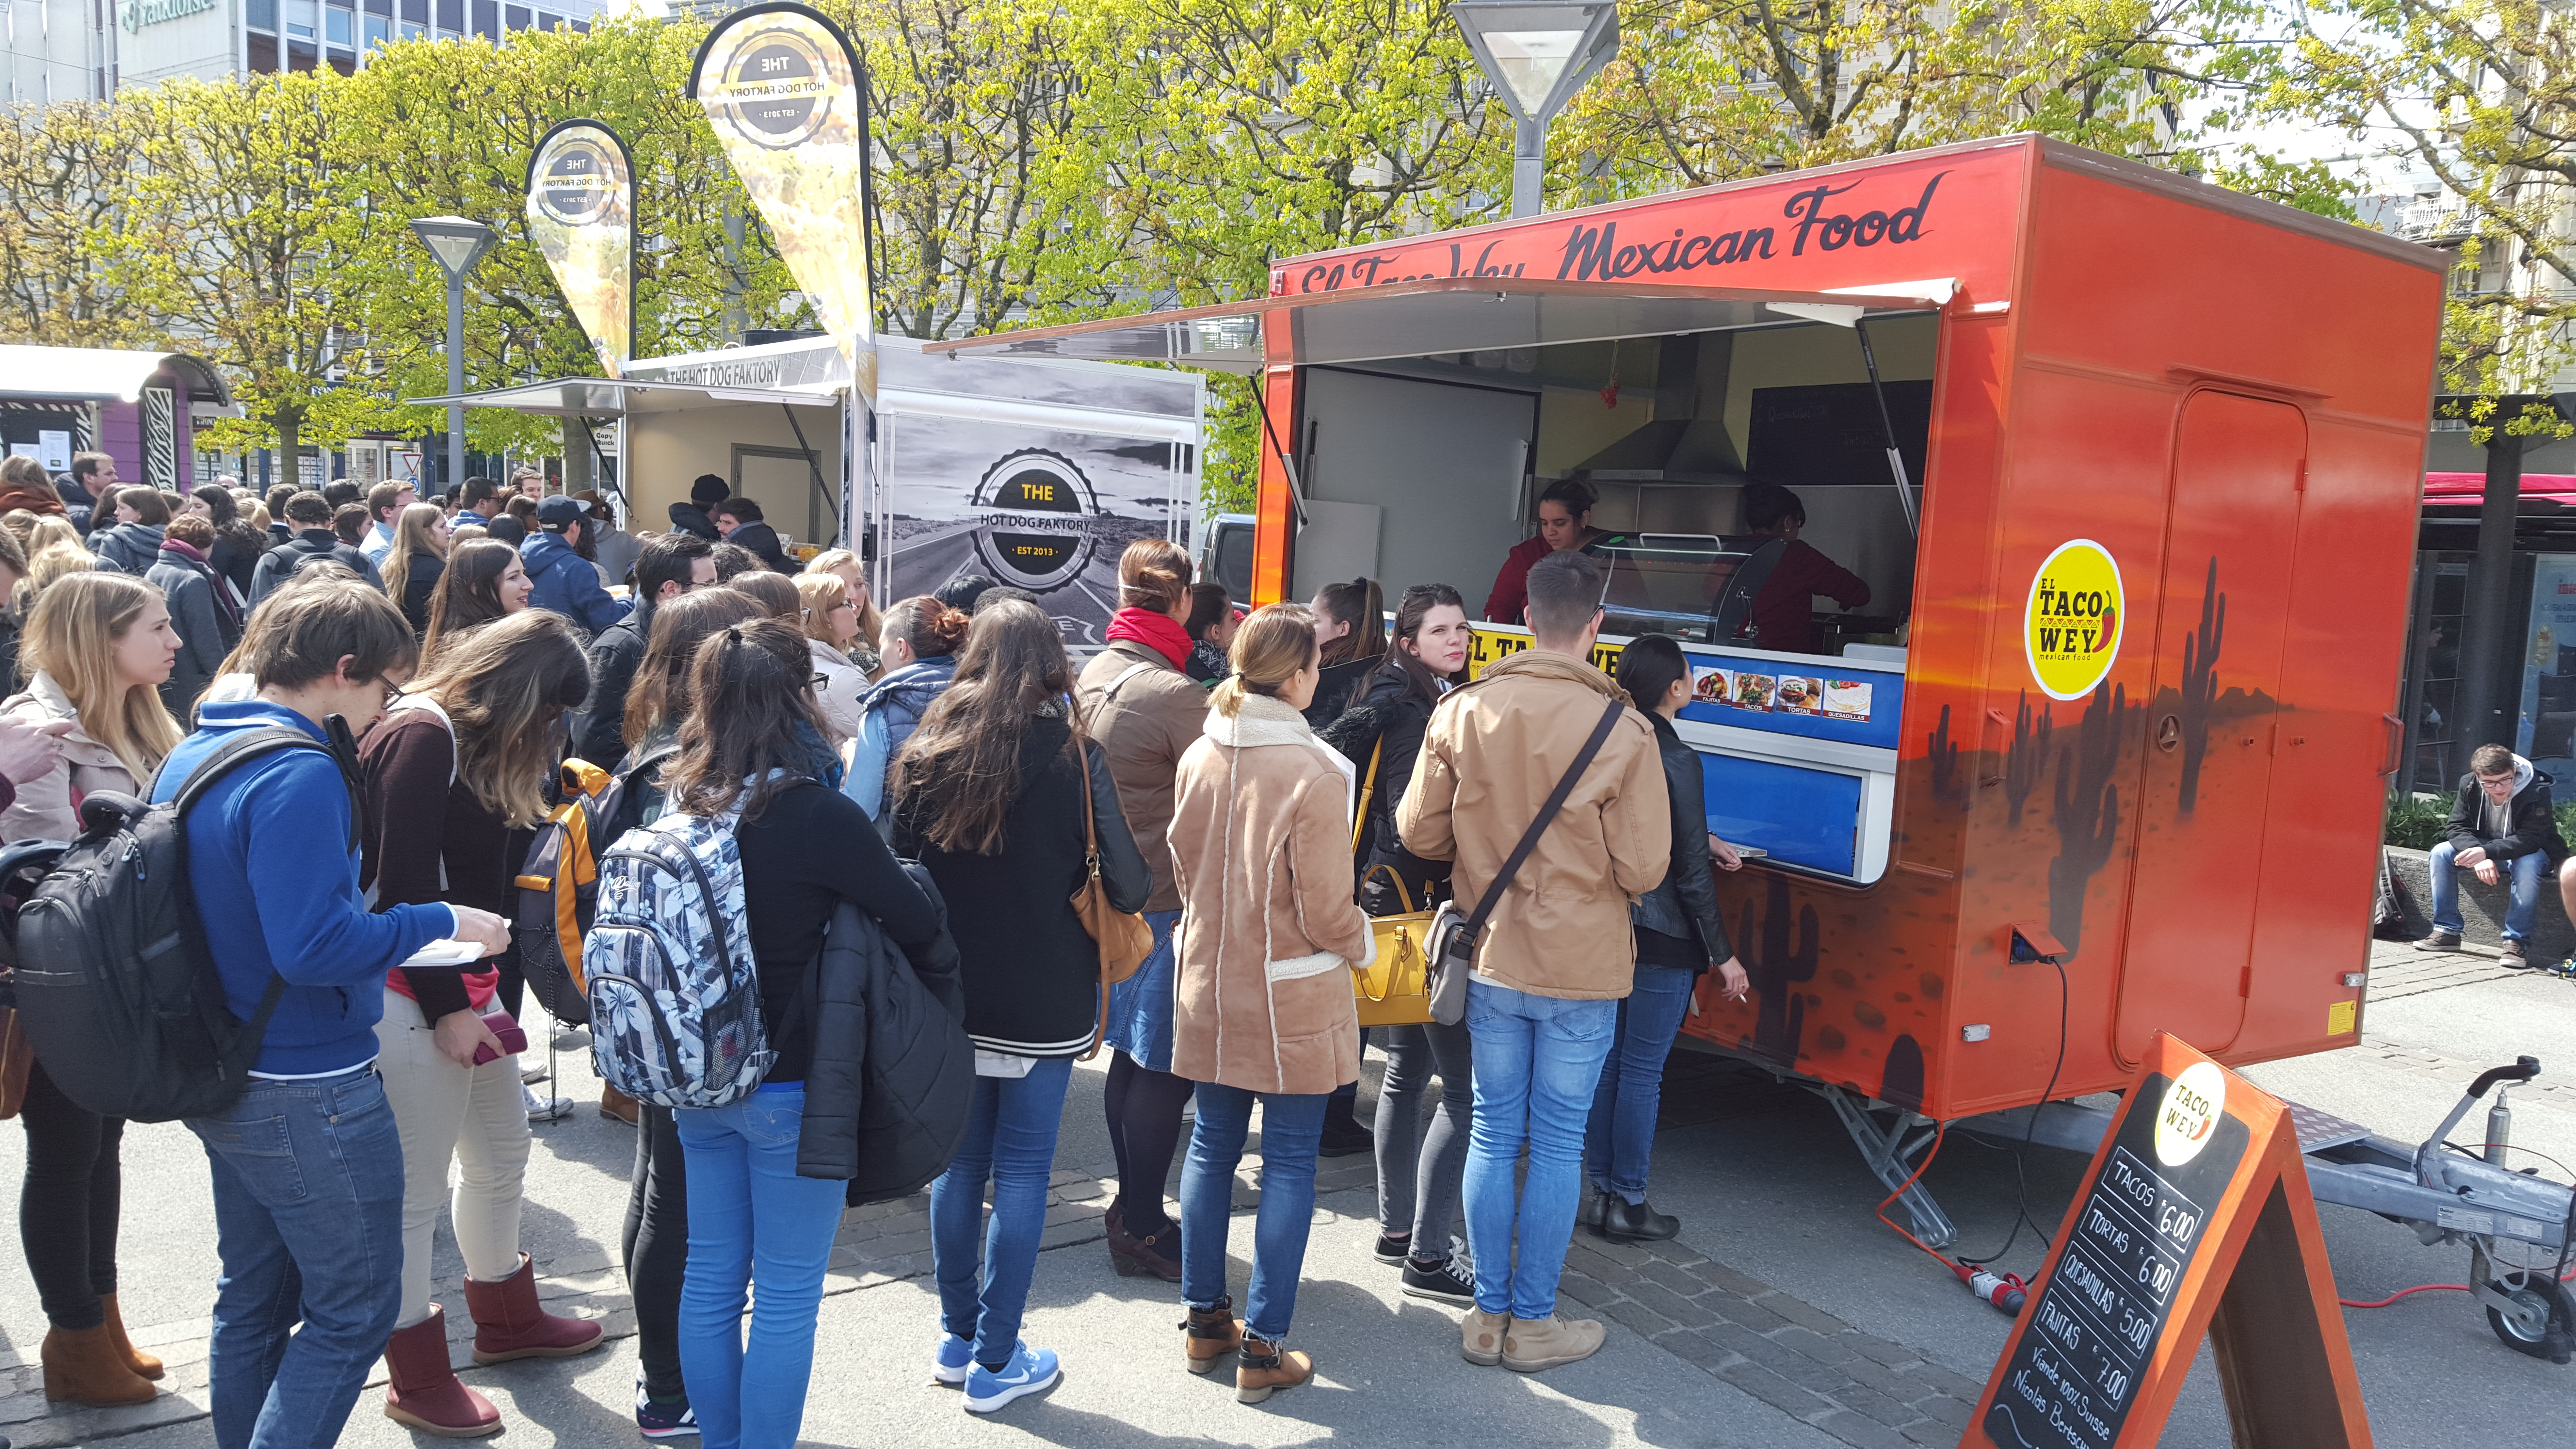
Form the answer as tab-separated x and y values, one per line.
2129	466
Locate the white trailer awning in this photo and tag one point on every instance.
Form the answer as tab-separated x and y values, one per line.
601	397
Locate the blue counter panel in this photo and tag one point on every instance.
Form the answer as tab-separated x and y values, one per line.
1805	817
1832	699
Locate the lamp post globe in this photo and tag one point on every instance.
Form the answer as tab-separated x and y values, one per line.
1538	54
456	244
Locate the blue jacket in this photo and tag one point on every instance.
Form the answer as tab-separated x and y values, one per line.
276	884
132	547
887	717
568	583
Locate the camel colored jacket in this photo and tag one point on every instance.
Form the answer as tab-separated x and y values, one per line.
1494	750
1261	851
48	807
1145	714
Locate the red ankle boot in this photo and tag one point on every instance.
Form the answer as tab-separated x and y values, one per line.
425	1393
508	1323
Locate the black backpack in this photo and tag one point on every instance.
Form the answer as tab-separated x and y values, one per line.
116	988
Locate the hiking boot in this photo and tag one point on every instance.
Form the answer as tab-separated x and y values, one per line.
2440	941
2512	957
1448	1281
616	1106
1210	1334
1264	1368
1625	1222
1480	1338
1529	1347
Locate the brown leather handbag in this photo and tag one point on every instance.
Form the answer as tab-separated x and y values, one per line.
1123	938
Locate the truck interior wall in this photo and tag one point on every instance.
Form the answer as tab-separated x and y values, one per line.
1440	463
665	453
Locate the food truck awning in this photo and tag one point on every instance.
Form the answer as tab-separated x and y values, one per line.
1434	315
600	397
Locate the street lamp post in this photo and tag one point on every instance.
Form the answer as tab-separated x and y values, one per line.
457	244
1538	53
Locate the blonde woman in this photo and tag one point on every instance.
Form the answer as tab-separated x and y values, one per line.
831	619
845	566
1262	1006
418	556
51	529
459	764
96	649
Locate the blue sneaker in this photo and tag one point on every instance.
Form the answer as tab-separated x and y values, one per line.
660	1418
949	1363
1028	1372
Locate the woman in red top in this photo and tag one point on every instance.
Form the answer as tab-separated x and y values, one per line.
458	766
1564	522
1783	618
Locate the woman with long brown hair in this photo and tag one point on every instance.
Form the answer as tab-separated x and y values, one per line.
999	795
483	581
1350	624
459	765
1145	712
1263	1011
746	756
96	649
416	562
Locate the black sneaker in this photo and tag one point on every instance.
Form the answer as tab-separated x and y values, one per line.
1392	1251
1448	1281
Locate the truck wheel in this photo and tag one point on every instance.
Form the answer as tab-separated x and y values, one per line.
2537	1297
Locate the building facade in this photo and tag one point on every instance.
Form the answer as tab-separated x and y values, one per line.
66	50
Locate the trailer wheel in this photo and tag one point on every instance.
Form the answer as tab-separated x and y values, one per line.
2537	1298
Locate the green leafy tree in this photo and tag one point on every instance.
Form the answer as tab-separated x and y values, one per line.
65	175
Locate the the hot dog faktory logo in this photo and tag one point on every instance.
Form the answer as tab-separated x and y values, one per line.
2189	1112
2076	616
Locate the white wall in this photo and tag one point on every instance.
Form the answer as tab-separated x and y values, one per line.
1442	461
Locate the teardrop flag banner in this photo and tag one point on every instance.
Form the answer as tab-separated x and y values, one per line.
780	84
581	210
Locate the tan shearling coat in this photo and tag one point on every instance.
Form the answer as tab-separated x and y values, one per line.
1261	851
1493	751
48	807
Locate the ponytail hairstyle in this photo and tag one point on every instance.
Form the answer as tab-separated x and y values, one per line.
931	628
751	685
959	774
1416	605
1154	574
1271	647
661	688
1360	605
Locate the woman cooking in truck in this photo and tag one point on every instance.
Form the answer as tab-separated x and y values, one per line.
1564	522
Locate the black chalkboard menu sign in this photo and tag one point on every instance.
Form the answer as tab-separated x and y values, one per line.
2110	1293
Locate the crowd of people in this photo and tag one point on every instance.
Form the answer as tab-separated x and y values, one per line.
1256	787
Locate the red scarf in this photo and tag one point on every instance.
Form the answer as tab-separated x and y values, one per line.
1156	631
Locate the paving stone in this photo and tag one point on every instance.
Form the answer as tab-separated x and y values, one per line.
1803	1314
1885	1380
1674	1277
1772	1389
1953	1412
1752	1315
1957	1386
1814	1345
1786	1362
1628	1253
1721	1276
1582	1289
1076	1212
1869	1401
1604	1269
1860	1430
1671	1305
1879	1350
1932	1432
1645	1321
1693	1349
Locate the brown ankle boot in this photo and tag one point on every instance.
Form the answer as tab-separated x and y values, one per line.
82	1366
422	1389
1210	1334
1265	1368
135	1359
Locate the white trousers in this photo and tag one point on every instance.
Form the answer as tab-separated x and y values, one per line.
472	1117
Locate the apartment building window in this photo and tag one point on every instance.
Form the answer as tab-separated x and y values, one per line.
515	16
302	19
451	16
416	11
547	20
379	30
263	16
262	55
339	26
487	19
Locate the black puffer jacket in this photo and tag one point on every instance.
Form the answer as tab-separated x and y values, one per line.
1684	903
1385	723
893	1076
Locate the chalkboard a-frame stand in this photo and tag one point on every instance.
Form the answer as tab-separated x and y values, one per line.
2195	1218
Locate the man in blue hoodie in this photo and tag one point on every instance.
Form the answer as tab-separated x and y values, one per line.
564	578
308	1171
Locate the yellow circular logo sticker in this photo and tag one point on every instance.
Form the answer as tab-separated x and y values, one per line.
2075	620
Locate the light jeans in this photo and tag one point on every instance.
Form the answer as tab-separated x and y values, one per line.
472	1116
1538	1059
2523	870
983	1272
752	1221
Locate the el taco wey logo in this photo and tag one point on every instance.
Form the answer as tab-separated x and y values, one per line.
2072	626
2189	1112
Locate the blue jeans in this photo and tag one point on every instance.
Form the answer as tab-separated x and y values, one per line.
1538	1059
1292	1126
752	1220
1010	1139
1619	1142
2525	902
308	1180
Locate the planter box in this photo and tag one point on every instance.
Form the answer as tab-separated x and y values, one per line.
2482	907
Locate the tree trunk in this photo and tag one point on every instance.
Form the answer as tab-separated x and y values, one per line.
290	431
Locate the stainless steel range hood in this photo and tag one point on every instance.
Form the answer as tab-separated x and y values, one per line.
1687	441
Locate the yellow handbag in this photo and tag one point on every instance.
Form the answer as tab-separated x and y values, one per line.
1394	989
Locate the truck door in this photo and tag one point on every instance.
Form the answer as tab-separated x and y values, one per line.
2233	516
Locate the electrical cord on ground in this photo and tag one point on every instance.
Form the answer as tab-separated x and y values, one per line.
2021	1177
2563	1276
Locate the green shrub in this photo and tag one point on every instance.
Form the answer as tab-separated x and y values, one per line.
2416	821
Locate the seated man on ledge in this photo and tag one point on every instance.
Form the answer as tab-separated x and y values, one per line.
2502	821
